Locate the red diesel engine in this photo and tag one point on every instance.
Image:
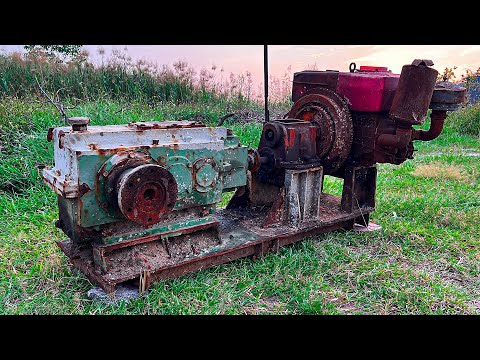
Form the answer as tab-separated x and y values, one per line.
346	122
356	118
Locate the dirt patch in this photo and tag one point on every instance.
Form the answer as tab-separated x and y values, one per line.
440	171
349	309
270	304
14	187
451	217
476	304
157	254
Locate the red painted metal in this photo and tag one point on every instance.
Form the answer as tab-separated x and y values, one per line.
373	68
368	91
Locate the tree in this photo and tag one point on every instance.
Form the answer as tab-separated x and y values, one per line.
470	75
59	51
471	80
448	74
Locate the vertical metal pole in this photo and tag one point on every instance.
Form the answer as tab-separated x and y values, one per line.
265	71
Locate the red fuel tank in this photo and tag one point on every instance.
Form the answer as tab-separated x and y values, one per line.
369	89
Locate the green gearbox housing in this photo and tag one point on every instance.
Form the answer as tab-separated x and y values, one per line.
119	183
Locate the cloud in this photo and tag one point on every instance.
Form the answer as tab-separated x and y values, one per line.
470	50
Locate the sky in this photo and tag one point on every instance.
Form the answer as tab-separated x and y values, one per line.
241	58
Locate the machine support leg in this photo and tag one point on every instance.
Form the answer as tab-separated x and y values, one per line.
303	192
359	191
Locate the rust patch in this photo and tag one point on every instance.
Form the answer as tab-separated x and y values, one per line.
83	189
61	135
330	114
141	126
181	257
50	134
103	152
276	213
145	193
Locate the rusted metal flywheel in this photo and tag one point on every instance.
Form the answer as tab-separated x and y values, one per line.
145	193
335	128
138	188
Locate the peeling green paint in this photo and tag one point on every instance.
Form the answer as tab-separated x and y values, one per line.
172	229
199	186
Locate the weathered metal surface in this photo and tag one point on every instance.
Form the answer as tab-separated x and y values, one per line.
276	214
205	172
145	193
286	144
400	139
78	123
108	140
308	79
334	122
172	223
235	164
164	233
254	160
358	193
240	234
448	96
155	125
255	193
303	190
437	120
201	161
370	89
106	208
414	92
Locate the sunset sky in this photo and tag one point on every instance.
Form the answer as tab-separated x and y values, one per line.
240	58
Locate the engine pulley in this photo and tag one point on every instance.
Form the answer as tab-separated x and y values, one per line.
330	113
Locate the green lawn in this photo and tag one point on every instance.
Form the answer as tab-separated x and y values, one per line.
426	259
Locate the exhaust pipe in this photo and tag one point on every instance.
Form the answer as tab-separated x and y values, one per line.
437	118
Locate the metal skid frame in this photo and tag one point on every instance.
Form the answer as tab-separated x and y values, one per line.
241	232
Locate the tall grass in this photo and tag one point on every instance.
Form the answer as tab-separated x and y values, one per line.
465	121
118	78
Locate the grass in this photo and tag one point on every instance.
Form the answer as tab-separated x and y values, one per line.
119	77
425	260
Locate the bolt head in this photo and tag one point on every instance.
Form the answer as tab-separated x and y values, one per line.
78	121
